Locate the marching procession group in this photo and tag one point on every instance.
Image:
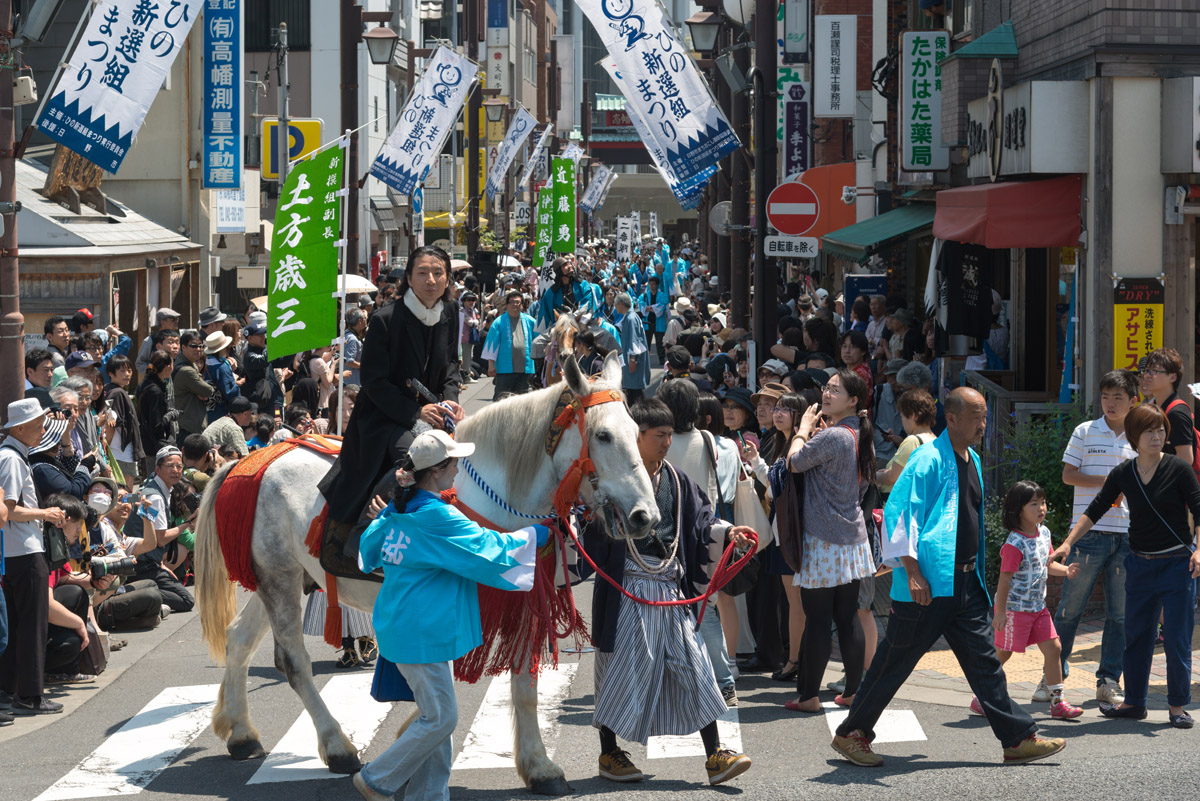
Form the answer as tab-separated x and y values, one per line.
833	457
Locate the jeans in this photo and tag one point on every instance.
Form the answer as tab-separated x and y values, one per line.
1099	554
1152	585
714	643
419	761
964	620
516	383
174	595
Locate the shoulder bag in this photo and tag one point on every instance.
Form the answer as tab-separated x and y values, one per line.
747	577
872	512
93	659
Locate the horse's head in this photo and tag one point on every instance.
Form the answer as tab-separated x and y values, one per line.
622	497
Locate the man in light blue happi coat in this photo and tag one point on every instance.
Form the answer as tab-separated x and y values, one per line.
508	348
634	353
427	612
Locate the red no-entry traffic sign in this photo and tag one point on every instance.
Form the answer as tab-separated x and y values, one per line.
793	208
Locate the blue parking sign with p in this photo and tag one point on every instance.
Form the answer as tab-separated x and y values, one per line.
304	138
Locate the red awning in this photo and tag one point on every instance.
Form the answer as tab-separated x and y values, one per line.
1016	214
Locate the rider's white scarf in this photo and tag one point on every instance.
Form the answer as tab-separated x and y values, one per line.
427	317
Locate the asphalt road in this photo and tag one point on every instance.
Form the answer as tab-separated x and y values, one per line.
143	729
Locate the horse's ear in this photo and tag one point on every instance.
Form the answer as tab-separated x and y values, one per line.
612	369
576	380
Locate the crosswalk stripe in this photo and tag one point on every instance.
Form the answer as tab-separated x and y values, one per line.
130	759
894	726
295	757
489	743
690	745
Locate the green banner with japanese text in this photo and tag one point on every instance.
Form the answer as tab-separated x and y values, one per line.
545	225
302	309
563	176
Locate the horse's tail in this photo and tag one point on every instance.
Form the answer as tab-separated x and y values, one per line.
216	595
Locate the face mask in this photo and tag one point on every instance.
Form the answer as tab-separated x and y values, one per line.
99	501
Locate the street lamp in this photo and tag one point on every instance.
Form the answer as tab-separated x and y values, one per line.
381	44
494	109
704	27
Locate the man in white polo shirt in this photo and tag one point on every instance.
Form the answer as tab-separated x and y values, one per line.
1096	447
26	573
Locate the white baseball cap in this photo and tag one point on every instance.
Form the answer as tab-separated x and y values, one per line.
435	447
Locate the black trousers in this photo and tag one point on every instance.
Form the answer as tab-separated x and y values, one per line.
659	348
141	598
766	607
27	594
824	608
174	595
62	644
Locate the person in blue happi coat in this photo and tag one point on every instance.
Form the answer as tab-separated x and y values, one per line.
567	294
634	353
427	613
653	307
508	348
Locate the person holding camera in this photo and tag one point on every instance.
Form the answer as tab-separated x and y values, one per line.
26	571
50	476
168	471
67	601
134	603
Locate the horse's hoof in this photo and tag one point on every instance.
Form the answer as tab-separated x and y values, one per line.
345	764
556	787
247	749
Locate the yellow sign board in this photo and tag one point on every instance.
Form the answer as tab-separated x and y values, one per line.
304	138
1137	320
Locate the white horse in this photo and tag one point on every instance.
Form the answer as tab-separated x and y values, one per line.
510	456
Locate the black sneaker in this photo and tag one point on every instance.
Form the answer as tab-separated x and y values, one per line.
6	719
5	701
39	706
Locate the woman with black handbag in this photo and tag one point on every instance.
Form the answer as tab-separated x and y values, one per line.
838	460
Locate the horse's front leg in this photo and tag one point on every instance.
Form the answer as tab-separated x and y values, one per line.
540	774
231	715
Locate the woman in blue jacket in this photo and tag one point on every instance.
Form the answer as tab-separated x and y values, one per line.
427	612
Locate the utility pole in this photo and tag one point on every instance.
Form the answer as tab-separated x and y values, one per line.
765	178
12	324
720	254
284	132
352	22
474	104
739	221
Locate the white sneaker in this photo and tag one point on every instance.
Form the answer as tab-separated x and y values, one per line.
1042	694
1110	692
733	671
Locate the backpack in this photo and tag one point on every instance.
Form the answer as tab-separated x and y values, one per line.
1195	434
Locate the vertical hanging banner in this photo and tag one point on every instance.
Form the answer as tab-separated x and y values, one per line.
563	176
661	81
612	179
835	73
591	196
636	223
921	147
535	158
573	152
624	238
427	119
302	309
1137	320
545	225
113	76
222	124
654	224
518	132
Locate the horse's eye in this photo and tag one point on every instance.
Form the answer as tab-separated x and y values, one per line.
604	436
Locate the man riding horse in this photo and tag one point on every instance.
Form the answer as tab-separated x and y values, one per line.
414	339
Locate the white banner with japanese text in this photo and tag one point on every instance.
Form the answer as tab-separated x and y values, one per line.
835	73
624	238
537	157
114	74
518	131
427	119
591	196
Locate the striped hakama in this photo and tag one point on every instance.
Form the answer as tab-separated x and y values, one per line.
658	678
355	623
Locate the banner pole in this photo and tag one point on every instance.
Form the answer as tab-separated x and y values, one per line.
345	140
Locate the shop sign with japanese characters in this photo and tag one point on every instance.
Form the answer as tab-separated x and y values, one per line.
536	159
562	171
791	247
518	131
1137	320
835	65
427	119
113	76
662	84
302	309
796	144
921	146
221	160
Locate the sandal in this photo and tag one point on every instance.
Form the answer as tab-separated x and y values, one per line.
794	706
368	649
1181	721
348	659
117	645
841	700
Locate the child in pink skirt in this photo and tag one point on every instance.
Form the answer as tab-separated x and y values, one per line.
1021	617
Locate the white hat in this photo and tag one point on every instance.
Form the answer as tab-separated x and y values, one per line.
216	342
24	411
776	366
681	304
256	317
822	293
435	447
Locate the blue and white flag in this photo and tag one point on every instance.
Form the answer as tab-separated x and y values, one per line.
537	158
518	131
661	82
113	76
612	179
573	152
427	119
591	196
